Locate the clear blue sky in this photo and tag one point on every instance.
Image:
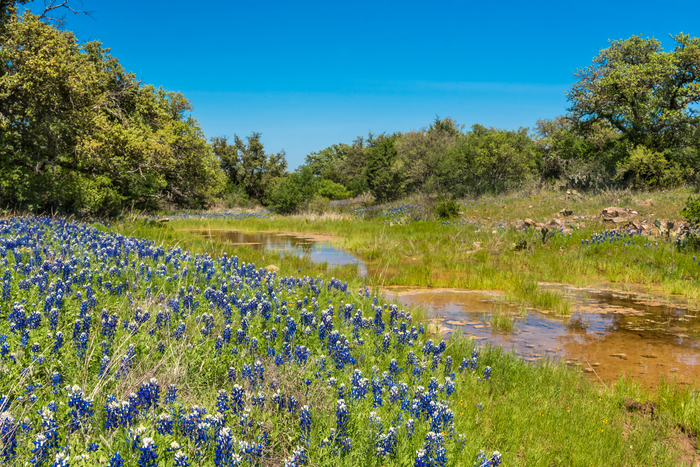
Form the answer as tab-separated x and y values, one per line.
310	74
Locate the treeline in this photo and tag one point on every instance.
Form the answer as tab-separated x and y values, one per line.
79	134
632	122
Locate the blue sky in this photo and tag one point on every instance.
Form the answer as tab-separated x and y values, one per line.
310	74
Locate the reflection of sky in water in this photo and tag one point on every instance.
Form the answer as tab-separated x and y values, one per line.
611	332
318	252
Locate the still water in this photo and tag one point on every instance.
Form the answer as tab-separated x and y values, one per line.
318	251
608	332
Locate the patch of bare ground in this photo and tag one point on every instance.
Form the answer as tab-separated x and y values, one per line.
683	440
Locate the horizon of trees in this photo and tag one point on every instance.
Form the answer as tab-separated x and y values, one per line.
79	134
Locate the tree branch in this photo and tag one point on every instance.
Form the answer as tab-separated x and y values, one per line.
51	6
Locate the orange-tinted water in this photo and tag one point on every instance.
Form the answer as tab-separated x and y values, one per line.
607	333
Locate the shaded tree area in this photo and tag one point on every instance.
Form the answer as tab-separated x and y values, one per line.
79	134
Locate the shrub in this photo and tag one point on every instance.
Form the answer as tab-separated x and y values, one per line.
691	211
447	209
236	198
319	205
645	169
332	190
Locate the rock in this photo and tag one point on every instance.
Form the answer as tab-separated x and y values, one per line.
164	219
555	223
529	222
647	203
623	356
272	267
566	212
612	212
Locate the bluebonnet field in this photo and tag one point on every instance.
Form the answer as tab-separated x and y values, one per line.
118	351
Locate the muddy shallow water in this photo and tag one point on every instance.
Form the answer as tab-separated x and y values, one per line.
607	333
317	249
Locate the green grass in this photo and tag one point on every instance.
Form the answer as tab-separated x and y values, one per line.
535	414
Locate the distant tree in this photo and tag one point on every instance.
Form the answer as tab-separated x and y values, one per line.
288	193
248	165
646	94
420	153
383	177
489	160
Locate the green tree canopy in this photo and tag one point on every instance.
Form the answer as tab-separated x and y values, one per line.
80	134
248	165
640	90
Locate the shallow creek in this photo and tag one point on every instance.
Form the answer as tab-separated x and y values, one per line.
608	332
318	249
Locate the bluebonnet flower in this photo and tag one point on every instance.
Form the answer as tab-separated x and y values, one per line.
56	382
104	365
80	409
377	391
410	427
387	442
305	423
224	448
149	395
342	418
58	342
117	460
181	460
297	459
164	424
171	395
483	461
222	402
127	361
61	460
40	451
449	386
487	373
149	456
236	399
259	371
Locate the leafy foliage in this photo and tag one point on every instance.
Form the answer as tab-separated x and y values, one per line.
447	209
81	134
643	92
248	165
383	176
691	211
647	169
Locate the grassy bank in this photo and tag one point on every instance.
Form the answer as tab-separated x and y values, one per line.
540	414
483	249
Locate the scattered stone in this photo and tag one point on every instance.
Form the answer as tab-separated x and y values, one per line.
566	212
647	203
649	356
589	370
272	267
529	222
623	356
163	219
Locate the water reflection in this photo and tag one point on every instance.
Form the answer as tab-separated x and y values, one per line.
289	244
607	333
